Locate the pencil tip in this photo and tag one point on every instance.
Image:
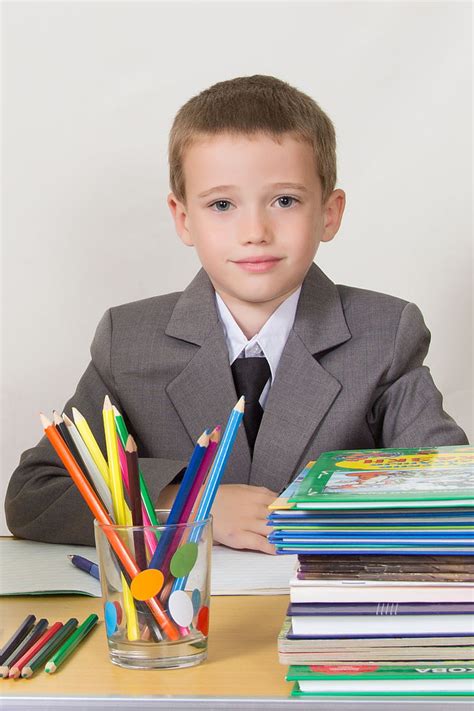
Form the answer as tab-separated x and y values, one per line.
44	421
107	403
57	419
66	420
240	406
116	412
203	440
76	414
131	444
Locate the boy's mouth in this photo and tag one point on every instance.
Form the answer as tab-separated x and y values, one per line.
257	264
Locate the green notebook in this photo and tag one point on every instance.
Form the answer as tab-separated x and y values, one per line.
425	477
440	679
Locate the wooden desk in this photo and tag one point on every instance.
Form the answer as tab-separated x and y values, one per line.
242	670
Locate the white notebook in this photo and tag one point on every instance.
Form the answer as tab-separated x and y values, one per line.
31	568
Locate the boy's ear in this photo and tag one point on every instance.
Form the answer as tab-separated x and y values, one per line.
180	217
332	214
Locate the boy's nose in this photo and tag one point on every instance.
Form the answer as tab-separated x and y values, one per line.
256	230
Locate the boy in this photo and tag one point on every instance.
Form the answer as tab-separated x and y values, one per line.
252	174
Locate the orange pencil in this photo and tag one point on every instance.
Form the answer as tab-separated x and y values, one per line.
15	671
103	518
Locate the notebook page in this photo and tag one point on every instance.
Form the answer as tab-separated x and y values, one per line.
32	568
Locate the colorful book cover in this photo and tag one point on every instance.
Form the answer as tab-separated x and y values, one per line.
390	475
377	671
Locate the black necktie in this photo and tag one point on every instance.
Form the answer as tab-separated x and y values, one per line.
250	376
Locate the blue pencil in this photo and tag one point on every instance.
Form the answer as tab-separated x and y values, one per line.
180	500
215	476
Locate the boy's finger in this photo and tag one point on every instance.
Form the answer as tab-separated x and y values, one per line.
255	542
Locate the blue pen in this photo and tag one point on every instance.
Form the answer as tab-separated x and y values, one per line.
86	565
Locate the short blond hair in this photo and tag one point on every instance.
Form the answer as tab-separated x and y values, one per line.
247	106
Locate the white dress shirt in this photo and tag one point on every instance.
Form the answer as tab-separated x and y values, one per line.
267	343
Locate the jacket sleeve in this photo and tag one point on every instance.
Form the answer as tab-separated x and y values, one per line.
408	410
42	502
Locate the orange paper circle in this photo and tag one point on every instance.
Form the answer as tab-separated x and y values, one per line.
147	584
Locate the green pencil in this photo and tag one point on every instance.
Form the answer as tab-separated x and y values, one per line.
70	644
123	435
45	653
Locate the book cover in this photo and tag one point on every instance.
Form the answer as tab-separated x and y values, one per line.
439	475
439	679
380	608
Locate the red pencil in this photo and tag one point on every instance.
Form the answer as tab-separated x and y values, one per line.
18	666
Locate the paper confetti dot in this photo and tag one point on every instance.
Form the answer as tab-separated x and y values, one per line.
117	606
181	608
110	617
196	600
147	584
203	620
183	560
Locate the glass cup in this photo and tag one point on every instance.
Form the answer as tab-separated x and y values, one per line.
156	616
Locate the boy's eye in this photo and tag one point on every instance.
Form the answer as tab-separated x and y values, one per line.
286	200
221	205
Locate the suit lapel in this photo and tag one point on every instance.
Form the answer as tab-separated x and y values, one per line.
303	390
203	393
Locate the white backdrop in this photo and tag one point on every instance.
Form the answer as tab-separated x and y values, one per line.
89	94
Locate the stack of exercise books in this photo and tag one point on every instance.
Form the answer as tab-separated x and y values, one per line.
382	596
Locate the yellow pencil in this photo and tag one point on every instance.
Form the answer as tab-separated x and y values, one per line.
116	484
91	444
121	510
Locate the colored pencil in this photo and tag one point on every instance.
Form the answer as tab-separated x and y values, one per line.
220	462
45	652
71	644
29	640
16	668
17	637
135	500
96	477
147	502
116	487
122	512
104	519
64	432
86	565
91	444
215	476
189	503
180	500
124	474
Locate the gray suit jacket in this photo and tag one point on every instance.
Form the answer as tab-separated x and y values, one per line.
350	376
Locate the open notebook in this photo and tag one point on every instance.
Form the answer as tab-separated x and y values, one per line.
30	568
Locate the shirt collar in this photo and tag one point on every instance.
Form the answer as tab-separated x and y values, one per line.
271	338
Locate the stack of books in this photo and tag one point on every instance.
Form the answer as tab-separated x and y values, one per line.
382	597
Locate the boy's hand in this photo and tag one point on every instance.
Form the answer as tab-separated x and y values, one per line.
240	512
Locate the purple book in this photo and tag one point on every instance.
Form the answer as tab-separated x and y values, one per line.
388	609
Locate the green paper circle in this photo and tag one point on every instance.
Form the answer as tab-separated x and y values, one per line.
183	560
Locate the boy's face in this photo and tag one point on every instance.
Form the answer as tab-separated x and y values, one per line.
258	225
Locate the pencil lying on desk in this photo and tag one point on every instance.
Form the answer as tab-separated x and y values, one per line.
104	519
34	635
17	637
15	669
70	645
45	652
